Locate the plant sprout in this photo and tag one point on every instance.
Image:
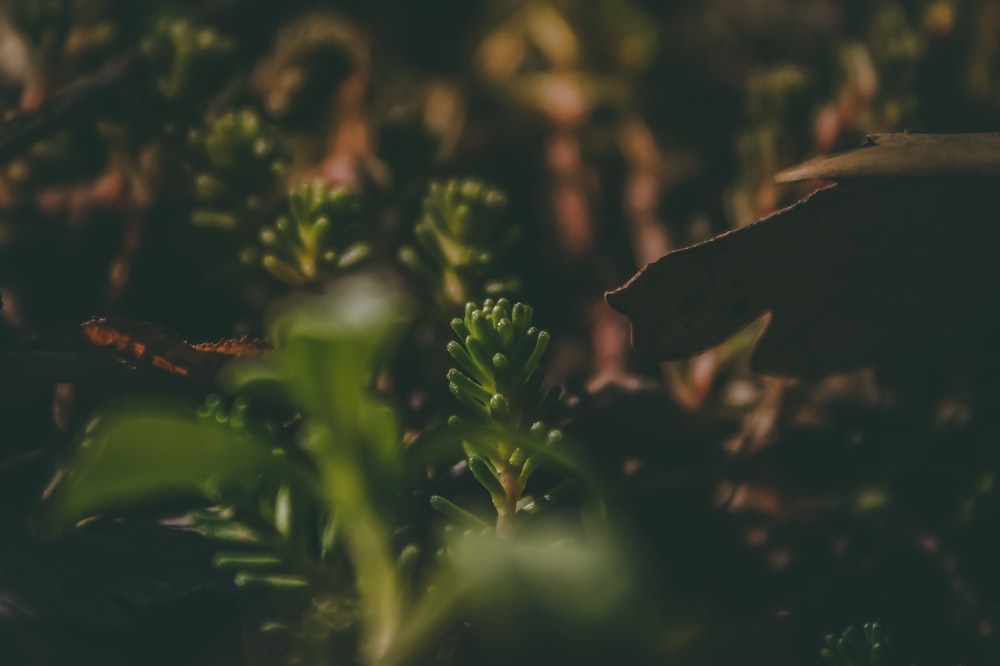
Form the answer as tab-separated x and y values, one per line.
316	236
463	240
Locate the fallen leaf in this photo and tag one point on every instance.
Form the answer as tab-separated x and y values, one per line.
896	259
117	352
906	155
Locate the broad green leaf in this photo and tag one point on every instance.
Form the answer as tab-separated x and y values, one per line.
140	454
329	349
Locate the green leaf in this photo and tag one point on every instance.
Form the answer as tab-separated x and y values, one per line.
138	453
283	511
569	578
254	376
487	477
331	346
280	581
457	514
249	560
465	385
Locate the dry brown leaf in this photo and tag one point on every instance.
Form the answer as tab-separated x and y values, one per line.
897	258
906	155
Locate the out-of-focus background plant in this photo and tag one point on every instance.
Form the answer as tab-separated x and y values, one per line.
358	199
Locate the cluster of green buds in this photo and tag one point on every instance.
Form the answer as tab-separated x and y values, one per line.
499	382
233	414
271	537
868	646
187	62
463	238
241	165
316	236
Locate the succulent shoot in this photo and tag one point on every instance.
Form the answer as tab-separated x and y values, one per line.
499	381
187	61
865	647
462	237
317	235
240	162
268	528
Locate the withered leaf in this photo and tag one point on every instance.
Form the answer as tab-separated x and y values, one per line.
122	353
906	155
895	259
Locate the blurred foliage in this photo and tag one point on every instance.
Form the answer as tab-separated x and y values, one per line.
186	62
241	168
250	152
315	236
317	513
867	647
463	239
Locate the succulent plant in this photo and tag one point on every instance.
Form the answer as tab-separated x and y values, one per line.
463	239
499	380
316	236
241	170
868	646
186	61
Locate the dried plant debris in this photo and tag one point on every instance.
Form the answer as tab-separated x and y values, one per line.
118	352
892	260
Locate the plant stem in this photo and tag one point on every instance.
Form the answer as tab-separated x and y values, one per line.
510	481
368	547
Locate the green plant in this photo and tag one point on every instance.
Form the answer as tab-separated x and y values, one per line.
463	240
471	541
310	511
868	646
318	234
297	519
186	61
499	380
240	170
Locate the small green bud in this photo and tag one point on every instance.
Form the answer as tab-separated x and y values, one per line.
499	407
460	329
505	331
283	514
